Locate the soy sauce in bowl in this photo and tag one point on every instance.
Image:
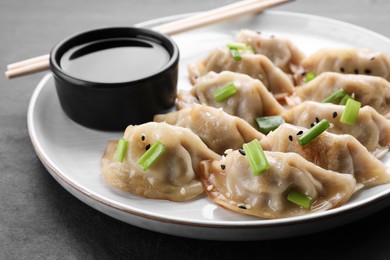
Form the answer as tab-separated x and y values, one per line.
110	78
115	60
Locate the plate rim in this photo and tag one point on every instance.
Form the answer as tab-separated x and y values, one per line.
51	167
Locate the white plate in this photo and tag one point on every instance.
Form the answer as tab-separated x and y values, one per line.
72	153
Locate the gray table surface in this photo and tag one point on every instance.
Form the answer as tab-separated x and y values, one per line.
39	219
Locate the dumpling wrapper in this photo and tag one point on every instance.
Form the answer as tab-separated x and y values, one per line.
250	101
217	129
348	61
371	129
369	90
282	52
237	189
256	66
172	177
339	153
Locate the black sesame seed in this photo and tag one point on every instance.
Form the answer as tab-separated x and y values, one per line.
303	73
334	114
300	132
143	137
147	147
290	138
342	69
373	58
317	120
356	71
272	36
241	151
241	207
223	166
258	32
312	124
367	71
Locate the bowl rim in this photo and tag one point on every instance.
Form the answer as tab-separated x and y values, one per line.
148	33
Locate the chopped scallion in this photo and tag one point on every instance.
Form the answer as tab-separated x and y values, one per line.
300	199
351	112
313	132
267	124
336	95
121	150
256	157
235	54
236	48
240	46
310	76
151	155
237	45
224	92
344	100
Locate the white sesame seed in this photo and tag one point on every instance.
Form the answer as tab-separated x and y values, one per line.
228	151
183	191
151	180
210	187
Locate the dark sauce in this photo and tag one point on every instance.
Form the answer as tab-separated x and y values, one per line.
115	60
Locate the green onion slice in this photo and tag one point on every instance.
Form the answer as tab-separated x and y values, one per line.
237	45
310	76
235	54
344	100
267	124
240	46
121	150
224	92
351	112
300	199
313	132
256	157
151	155
236	48
336	95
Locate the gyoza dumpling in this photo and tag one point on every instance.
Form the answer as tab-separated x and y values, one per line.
229	182
217	129
282	52
255	65
173	176
369	90
371	129
339	153
349	61
250	101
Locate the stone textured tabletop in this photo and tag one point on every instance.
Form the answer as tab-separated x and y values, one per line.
41	220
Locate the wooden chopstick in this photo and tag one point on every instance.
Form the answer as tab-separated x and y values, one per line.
27	62
27	67
217	15
230	11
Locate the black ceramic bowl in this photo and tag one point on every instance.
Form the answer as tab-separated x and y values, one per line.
113	106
